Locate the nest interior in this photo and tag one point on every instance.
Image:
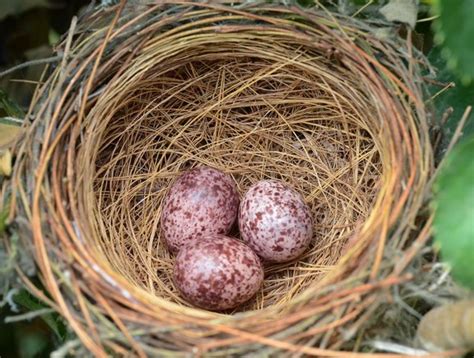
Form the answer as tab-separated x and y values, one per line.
252	115
259	91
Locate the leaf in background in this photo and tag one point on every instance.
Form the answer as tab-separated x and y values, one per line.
4	212
53	37
458	98
455	31
32	345
8	134
454	212
5	163
8	107
405	11
10	127
25	299
305	3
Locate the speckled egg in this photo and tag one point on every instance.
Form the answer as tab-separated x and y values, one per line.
275	221
202	201
217	273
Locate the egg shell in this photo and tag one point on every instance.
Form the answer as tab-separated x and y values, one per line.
202	201
217	273
275	221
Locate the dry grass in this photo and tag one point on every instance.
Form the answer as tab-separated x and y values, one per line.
258	91
254	117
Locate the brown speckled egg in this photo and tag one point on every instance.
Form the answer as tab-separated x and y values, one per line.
217	273
275	221
202	201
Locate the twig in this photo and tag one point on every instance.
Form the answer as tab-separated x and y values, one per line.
11	121
362	8
458	133
28	316
397	348
65	349
439	133
8	299
42	61
442	90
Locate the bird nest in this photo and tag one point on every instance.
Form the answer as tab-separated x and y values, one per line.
146	91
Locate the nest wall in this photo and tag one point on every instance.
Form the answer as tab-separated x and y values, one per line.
146	91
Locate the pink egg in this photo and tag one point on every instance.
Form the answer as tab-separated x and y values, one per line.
217	273
202	201
275	221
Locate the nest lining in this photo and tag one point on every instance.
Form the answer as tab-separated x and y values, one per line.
252	117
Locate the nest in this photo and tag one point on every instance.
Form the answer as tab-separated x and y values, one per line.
146	91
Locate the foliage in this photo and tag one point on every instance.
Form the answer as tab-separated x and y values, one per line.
9	107
457	98
10	123
454	212
454	189
31	303
3	219
455	31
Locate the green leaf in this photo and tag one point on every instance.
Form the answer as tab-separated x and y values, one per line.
305	3
31	303
455	30
454	212
53	37
32	344
458	98
10	123
8	107
4	212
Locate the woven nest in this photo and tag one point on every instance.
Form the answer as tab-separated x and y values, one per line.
147	91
